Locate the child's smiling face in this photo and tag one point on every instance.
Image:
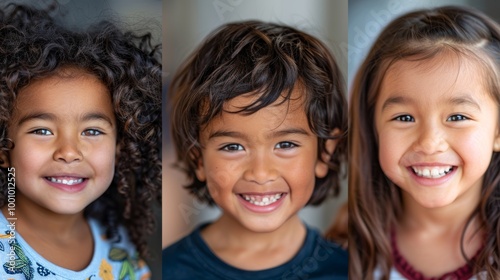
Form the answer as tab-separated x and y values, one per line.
437	128
64	132
261	168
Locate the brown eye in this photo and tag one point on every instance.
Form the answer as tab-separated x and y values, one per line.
404	118
42	131
457	118
232	148
285	145
91	132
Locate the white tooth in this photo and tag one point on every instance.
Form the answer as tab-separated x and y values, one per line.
64	181
59	181
435	172
265	199
426	172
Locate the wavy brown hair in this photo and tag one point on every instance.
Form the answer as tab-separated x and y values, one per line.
33	45
374	201
268	59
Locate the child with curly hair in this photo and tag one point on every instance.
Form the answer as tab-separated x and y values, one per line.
79	148
424	150
258	122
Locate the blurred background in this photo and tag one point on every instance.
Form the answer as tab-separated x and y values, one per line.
368	17
138	16
185	25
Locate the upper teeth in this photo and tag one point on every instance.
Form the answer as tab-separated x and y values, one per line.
432	172
262	200
65	181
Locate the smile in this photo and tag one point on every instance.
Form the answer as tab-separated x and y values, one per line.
262	200
68	182
432	172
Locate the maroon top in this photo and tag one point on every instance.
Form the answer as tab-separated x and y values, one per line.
403	267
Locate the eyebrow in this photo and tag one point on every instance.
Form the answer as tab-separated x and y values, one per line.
396	100
274	134
462	99
37	116
52	117
97	116
465	99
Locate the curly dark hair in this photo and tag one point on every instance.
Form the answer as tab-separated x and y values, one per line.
34	46
375	203
268	59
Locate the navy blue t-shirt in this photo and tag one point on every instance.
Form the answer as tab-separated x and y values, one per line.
190	258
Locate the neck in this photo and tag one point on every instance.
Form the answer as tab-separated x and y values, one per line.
442	219
235	235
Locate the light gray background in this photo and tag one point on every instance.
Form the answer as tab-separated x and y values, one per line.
368	17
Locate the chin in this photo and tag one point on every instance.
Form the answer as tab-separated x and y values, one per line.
262	227
435	203
67	209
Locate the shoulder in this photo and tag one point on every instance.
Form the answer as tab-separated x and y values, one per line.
180	260
118	254
329	258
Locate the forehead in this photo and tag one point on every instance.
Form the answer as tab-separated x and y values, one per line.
66	92
283	112
442	75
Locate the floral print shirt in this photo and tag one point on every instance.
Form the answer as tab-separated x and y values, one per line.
112	259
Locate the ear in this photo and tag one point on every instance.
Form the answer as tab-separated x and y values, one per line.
200	171
321	168
4	159
496	143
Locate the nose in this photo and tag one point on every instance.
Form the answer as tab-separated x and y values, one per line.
261	169
431	139
68	149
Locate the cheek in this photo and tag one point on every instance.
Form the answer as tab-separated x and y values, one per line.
27	160
300	178
389	155
103	161
479	159
221	176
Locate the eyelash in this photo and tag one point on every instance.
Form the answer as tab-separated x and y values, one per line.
237	147
231	147
44	131
457	118
290	145
404	118
453	118
95	132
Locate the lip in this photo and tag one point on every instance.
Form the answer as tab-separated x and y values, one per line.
262	209
432	182
64	187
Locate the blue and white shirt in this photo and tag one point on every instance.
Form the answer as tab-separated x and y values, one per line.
116	259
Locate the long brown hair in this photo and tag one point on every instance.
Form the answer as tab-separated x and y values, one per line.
374	201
